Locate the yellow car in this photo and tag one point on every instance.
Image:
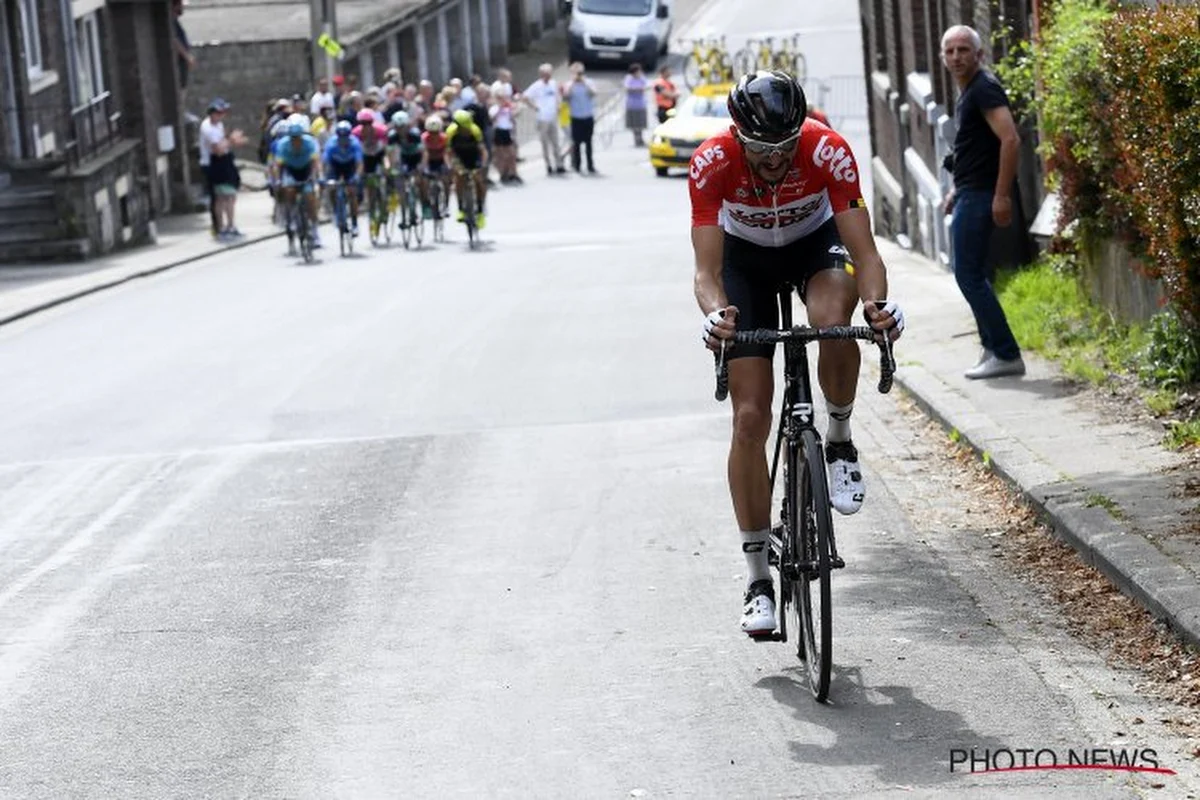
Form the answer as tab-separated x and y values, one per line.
702	115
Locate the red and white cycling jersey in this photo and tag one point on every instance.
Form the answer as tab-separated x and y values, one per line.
822	181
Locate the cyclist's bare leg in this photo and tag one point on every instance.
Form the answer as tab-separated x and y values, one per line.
423	189
459	184
287	196
313	196
751	388
831	297
481	187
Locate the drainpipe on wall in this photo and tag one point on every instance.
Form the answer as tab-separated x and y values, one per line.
68	23
901	115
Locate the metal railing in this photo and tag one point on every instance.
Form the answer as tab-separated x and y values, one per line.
95	127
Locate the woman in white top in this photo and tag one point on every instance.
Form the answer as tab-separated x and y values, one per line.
504	144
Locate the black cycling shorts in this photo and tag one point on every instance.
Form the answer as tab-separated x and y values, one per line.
371	164
468	158
753	275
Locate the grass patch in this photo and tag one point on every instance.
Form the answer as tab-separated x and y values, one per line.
1107	503
1050	314
1161	401
1184	434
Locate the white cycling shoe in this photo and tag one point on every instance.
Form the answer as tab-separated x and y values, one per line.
846	489
758	615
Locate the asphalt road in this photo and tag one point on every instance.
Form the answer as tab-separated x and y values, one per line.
454	523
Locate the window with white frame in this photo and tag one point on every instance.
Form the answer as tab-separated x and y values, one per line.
90	58
31	34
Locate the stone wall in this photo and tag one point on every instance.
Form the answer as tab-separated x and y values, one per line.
242	73
1111	278
102	200
145	86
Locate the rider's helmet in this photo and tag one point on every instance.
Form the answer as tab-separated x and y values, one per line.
300	119
463	117
296	129
343	129
433	124
400	119
768	106
365	117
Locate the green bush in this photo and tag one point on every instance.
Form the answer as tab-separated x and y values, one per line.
1119	103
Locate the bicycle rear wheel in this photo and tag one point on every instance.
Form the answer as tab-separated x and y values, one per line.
813	591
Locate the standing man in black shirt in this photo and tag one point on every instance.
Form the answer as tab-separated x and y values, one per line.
984	163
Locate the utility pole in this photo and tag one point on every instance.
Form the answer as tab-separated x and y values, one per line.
322	23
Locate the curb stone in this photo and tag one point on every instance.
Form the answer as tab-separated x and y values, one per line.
1138	568
143	273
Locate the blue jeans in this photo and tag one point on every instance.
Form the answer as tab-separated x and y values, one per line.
970	231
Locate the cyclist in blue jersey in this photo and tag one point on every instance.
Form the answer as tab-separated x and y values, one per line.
343	159
295	163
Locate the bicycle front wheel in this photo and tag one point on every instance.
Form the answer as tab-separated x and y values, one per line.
813	591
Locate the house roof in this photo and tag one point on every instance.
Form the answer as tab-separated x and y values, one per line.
209	22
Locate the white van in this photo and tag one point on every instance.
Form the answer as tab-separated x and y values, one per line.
618	31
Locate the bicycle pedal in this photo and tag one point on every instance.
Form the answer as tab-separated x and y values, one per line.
836	563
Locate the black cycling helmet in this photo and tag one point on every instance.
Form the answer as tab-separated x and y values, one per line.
768	105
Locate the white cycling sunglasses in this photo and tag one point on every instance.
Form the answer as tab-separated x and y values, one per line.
768	149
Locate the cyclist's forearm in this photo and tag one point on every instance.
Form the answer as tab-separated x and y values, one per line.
872	278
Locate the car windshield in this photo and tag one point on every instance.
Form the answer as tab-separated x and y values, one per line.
621	8
696	106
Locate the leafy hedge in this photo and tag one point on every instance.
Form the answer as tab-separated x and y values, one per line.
1118	97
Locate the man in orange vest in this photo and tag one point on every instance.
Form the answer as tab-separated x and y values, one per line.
665	93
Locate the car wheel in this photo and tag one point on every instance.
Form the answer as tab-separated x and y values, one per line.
660	172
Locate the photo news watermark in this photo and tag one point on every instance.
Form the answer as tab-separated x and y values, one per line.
1027	759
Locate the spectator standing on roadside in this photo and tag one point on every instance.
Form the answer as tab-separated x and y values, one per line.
183	50
635	103
338	91
984	165
220	170
352	103
543	97
280	110
319	97
665	94
323	123
580	95
503	124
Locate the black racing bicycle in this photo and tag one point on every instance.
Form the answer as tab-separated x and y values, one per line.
802	547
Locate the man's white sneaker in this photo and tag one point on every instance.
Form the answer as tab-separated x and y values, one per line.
846	490
758	615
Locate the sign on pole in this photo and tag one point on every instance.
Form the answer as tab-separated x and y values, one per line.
330	45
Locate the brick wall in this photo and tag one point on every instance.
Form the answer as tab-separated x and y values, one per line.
247	75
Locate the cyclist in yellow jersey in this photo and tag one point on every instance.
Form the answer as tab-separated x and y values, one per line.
465	145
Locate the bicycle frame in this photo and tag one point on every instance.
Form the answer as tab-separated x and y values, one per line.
796	415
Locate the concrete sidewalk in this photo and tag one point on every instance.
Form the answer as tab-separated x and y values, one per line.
1105	483
27	289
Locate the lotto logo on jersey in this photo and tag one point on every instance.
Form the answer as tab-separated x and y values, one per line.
702	159
839	162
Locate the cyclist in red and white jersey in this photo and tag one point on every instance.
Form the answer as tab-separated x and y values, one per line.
776	199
